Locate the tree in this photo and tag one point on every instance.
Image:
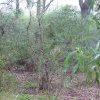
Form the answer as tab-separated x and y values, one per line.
17	8
44	78
85	7
42	6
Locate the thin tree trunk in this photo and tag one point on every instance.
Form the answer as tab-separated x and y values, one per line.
38	8
17	8
43	71
44	4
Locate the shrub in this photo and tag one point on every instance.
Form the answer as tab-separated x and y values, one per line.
87	61
8	82
25	97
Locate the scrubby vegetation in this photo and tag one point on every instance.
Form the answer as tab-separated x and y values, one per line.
43	57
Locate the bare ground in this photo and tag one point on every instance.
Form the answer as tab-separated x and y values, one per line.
77	89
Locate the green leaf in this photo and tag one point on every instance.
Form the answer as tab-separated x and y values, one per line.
2	62
92	2
67	64
90	23
89	75
98	46
68	60
97	20
97	56
75	69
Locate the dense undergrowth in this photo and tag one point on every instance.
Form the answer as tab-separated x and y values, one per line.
64	32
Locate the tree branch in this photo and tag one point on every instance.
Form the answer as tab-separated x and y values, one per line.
47	6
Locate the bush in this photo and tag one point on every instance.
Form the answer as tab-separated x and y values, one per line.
87	61
8	82
25	97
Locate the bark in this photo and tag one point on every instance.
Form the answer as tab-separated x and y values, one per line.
44	81
38	8
17	8
44	4
85	7
44	77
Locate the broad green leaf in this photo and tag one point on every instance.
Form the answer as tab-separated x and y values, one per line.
98	46
76	67
68	60
92	2
89	74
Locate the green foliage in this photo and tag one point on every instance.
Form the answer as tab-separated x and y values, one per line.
8	82
97	20
37	97
45	97
86	61
31	85
63	31
25	97
7	96
15	43
92	2
2	62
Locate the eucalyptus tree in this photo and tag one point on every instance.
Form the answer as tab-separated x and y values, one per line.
85	7
44	81
17	8
41	8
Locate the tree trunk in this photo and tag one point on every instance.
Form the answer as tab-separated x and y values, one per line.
85	8
44	5
38	8
17	8
43	71
44	81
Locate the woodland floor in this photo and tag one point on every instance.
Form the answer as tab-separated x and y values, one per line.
77	89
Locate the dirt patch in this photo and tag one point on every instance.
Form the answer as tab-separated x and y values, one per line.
73	92
81	93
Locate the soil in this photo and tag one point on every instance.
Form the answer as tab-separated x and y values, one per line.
77	89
